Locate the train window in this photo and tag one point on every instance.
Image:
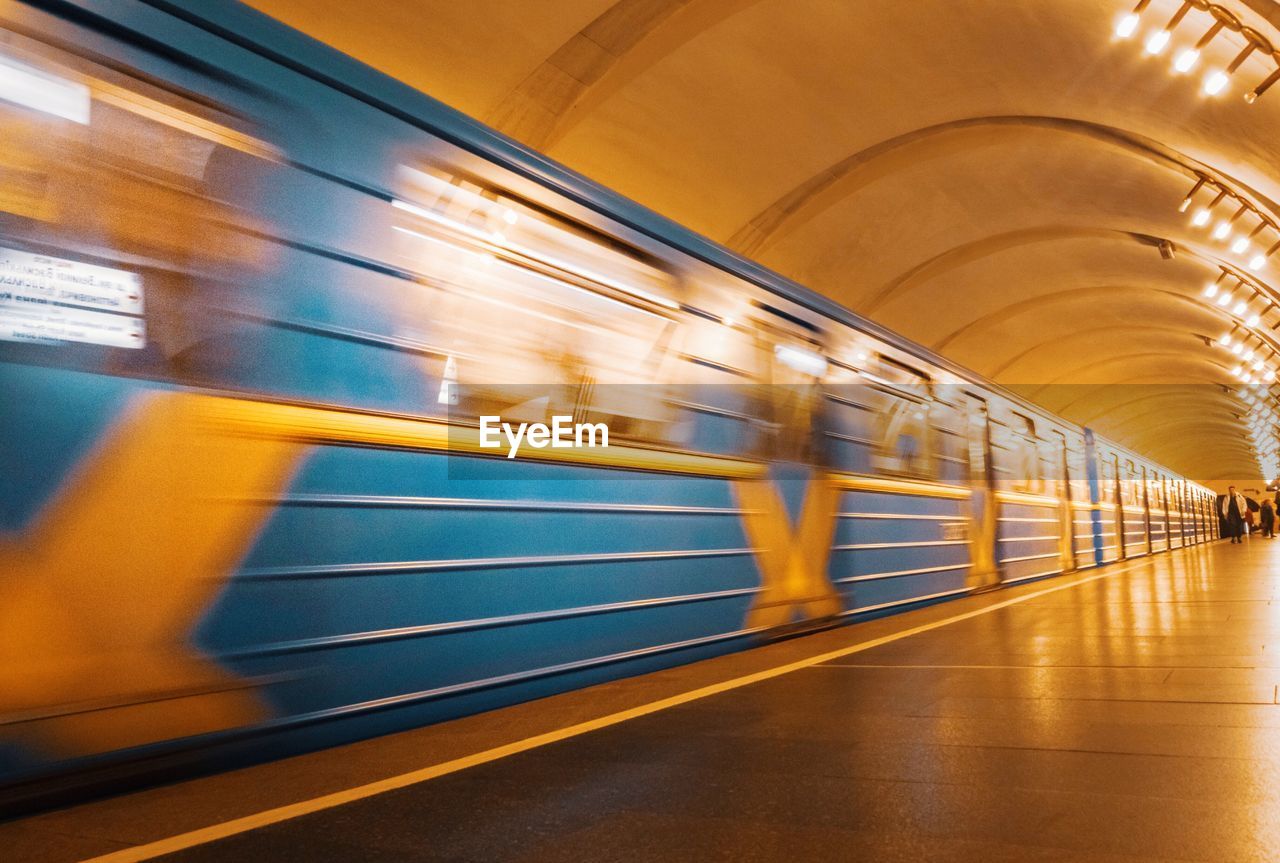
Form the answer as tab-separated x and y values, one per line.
1026	468
533	317
901	429
1054	454
878	416
1107	464
1078	470
115	229
978	435
1130	485
950	450
790	367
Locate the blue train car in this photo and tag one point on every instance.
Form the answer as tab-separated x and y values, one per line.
255	302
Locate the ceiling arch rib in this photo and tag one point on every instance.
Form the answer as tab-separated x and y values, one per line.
1224	424
597	61
1080	397
1200	440
1207	448
809	198
1072	296
958	256
1076	373
967	253
534	111
1158	438
1173	396
1089	335
1202	318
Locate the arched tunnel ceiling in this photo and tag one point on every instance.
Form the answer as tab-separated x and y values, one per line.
990	178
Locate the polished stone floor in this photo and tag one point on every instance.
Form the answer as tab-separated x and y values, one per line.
1131	717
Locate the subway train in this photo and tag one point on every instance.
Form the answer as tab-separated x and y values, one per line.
257	302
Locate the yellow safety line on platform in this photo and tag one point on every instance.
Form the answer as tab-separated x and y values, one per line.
236	826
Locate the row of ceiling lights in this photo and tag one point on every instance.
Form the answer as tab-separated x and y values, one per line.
1252	368
1236	298
1262	419
1263	415
1240	341
1186	59
1230	215
1230	220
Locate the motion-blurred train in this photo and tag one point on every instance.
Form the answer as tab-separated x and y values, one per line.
254	298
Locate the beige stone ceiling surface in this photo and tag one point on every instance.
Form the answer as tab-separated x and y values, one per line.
990	178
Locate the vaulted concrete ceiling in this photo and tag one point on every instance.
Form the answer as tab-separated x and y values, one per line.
991	178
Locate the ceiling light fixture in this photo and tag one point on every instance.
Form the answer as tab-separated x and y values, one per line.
1204	214
1190	56
1216	80
1211	289
1186	202
1252	95
1241	244
1128	25
1259	261
1159	39
1223	229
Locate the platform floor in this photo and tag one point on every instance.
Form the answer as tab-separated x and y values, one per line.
1128	713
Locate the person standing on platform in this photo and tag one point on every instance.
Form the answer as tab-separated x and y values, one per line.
1233	509
1267	518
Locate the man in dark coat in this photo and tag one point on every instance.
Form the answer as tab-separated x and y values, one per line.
1233	509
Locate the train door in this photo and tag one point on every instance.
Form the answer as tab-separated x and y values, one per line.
1093	470
1159	535
1162	489
1188	514
1112	540
984	511
1079	480
791	365
1179	512
1145	492
1170	525
1066	511
1134	524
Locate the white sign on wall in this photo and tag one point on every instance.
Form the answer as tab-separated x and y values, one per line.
49	300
